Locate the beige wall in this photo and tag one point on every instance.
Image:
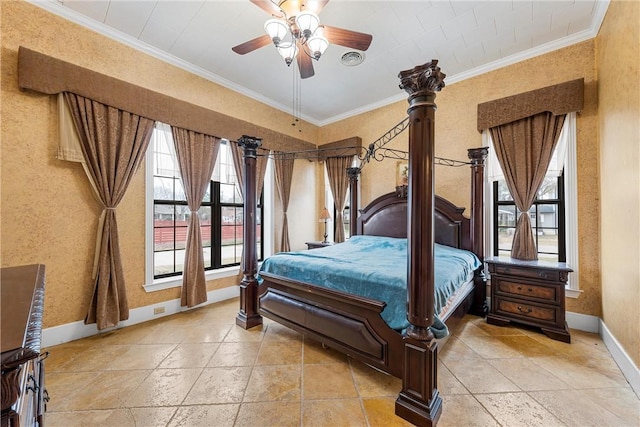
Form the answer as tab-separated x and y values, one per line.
48	212
456	130
618	66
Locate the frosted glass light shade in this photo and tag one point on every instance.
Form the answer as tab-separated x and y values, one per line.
308	23
288	52
317	46
277	29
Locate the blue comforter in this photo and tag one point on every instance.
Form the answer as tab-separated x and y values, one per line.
376	267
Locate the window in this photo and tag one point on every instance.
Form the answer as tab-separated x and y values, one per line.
221	212
346	219
553	214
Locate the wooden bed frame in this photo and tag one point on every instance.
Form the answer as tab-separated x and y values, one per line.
352	324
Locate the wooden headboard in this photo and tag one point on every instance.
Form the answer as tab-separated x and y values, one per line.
387	216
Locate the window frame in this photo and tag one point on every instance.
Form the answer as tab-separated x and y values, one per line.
217	271
570	209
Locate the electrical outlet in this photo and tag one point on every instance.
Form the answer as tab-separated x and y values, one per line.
158	310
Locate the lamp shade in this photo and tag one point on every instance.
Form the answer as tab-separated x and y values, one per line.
317	46
277	29
307	22
325	215
288	52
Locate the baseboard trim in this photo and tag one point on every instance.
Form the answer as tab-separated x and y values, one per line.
625	363
583	322
76	330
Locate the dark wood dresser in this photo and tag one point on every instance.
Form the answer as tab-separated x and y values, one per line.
531	293
23	393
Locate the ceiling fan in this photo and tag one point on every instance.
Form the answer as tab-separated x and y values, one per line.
296	32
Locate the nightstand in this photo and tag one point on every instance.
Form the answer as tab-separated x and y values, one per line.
529	292
315	245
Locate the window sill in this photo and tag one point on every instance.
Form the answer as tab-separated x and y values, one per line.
176	281
572	293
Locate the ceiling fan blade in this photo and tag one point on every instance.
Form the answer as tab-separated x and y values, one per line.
347	38
305	65
268	6
314	6
252	45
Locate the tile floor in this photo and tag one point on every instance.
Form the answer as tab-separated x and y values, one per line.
197	368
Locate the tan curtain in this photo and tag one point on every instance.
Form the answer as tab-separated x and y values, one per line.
524	149
196	154
339	183
284	176
261	168
113	144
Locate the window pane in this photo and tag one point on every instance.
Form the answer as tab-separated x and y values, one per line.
505	239
227	193
549	188
162	188
163	262
503	191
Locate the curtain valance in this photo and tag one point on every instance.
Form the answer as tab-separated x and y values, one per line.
558	99
46	74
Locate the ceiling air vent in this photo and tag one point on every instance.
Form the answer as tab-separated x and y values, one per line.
351	59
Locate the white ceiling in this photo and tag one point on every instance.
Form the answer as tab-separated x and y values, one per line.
467	37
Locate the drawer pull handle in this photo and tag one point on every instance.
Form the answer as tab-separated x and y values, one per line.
543	275
521	310
528	289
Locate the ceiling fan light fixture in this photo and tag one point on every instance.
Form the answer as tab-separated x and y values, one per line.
317	46
308	23
276	29
288	52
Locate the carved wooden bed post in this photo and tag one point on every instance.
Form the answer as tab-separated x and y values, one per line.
478	157
353	173
419	401
248	316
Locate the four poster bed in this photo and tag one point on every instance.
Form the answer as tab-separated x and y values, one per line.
354	324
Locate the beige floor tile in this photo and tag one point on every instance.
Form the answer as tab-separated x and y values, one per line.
332	413
237	334
373	383
61	356
575	408
133	334
95	358
380	412
277	332
190	355
164	387
478	376
456	349
205	416
490	347
106	391
327	382
280	352
578	375
144	356
621	401
461	410
269	414
315	353
153	417
206	333
166	333
528	375
517	409
235	354
103	418
219	385
447	383
526	345
274	382
64	386
467	329
494	330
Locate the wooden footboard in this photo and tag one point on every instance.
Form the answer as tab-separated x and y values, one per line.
348	323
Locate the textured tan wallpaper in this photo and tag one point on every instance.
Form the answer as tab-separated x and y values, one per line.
48	212
456	120
618	64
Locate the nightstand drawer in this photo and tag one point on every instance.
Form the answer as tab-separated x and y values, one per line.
527	290
533	273
523	310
